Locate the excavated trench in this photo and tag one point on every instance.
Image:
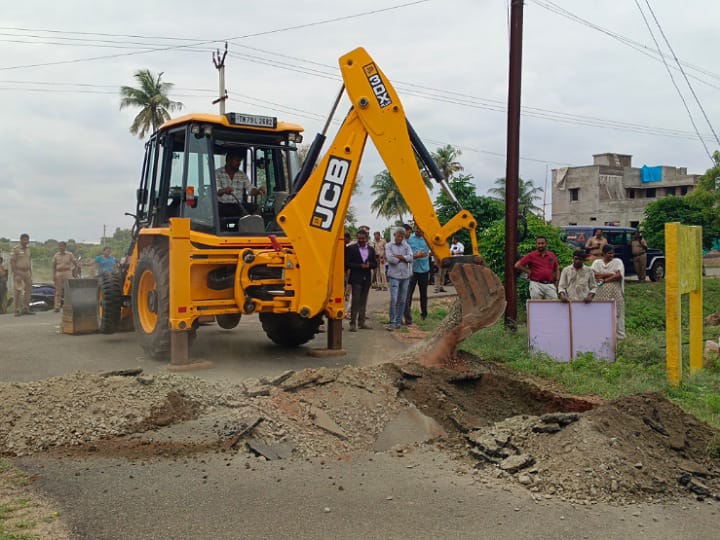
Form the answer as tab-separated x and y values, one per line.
469	399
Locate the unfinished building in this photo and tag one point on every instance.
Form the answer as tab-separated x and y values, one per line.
613	192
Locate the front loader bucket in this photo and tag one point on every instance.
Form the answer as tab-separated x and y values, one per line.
80	306
481	294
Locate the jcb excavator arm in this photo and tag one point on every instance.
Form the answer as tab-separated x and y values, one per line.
314	219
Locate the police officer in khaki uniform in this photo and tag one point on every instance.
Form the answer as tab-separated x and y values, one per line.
63	266
3	286
22	275
639	247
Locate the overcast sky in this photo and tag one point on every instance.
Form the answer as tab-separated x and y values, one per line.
69	166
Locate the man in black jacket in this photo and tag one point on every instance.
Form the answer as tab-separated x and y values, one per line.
360	260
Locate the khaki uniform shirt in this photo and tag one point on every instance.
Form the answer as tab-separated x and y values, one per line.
20	258
379	247
595	246
63	262
577	284
638	247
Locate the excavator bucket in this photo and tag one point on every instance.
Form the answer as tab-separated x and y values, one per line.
80	302
481	294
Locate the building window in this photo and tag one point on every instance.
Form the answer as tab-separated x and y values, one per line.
683	190
574	194
630	193
669	191
650	193
593	219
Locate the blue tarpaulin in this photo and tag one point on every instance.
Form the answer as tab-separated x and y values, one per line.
651	174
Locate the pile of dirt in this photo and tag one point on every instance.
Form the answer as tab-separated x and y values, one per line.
636	448
498	424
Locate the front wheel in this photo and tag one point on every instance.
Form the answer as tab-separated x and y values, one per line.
109	301
657	272
228	321
290	329
151	302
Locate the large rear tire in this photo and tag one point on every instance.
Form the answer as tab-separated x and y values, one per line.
108	302
151	302
290	329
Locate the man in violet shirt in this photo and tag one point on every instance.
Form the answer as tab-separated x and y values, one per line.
360	260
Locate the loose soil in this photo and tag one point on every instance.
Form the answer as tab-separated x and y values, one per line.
500	426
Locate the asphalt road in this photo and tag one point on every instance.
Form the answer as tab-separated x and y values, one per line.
218	496
379	496
32	347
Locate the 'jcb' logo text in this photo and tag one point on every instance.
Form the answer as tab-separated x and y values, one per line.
330	194
377	85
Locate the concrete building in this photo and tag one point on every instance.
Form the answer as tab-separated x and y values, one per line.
613	192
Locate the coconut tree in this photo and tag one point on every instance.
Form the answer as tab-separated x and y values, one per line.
151	96
387	202
527	191
446	159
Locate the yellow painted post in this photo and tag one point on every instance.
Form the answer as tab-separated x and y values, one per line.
694	262
672	305
696	331
683	256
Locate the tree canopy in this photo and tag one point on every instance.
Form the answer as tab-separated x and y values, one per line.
528	195
445	158
151	97
698	208
485	209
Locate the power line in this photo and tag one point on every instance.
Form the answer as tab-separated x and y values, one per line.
640	47
214	41
692	90
682	98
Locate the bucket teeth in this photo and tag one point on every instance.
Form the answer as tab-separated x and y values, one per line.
481	294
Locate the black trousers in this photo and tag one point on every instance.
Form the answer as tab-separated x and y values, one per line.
421	280
358	306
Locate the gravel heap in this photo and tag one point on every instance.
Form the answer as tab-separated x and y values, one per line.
637	448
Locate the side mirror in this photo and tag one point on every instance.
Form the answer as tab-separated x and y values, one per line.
142	196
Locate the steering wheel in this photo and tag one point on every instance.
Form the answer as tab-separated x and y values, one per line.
240	206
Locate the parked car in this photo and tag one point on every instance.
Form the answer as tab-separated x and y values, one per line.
619	238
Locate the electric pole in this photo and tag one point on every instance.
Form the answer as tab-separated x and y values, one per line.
219	62
512	190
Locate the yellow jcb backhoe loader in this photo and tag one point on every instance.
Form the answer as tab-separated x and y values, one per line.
279	255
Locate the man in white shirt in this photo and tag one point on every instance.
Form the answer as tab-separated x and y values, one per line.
577	281
233	185
456	248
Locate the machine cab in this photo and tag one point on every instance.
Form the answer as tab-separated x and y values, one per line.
186	172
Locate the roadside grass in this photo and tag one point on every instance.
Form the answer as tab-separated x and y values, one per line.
19	516
640	359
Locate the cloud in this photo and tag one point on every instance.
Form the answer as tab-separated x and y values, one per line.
69	165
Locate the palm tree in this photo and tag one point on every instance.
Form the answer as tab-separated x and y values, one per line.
527	191
152	99
388	202
445	157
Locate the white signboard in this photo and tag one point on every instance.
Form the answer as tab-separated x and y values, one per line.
564	330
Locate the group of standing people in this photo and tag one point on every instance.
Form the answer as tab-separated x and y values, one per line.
64	266
405	258
604	279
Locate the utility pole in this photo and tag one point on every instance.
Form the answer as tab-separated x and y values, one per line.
104	235
219	62
512	190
